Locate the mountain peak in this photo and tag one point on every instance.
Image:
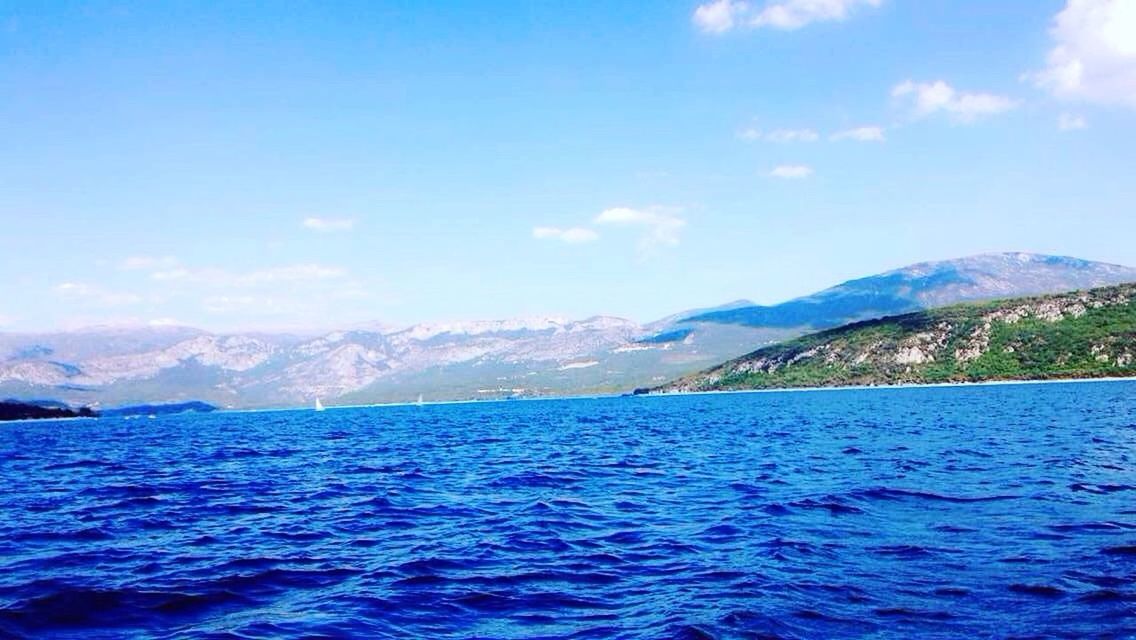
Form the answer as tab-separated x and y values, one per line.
1004	260
930	284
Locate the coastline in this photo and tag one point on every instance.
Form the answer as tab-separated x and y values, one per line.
907	385
59	419
653	394
693	393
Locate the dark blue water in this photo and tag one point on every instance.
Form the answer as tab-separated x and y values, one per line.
1006	511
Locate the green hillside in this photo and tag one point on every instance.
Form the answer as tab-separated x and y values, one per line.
1080	334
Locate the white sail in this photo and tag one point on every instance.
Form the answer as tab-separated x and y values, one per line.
319	405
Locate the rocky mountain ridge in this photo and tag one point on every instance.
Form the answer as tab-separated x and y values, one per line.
470	360
927	285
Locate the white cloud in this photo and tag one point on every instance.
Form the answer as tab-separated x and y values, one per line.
721	16
792	135
870	133
750	134
1068	122
779	135
135	263
573	235
329	224
791	172
292	273
624	215
929	98
794	14
661	227
1094	54
222	278
164	322
97	294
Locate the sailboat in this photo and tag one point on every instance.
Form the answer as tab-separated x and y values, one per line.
419	403
319	405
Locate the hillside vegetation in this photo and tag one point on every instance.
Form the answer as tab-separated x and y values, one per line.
13	410
1079	334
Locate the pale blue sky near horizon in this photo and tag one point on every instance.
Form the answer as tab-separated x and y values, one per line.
317	165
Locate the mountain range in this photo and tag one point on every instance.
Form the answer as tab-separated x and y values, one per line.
104	367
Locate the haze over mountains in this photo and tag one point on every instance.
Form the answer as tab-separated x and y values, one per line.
491	359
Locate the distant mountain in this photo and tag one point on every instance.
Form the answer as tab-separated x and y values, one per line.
928	285
1071	335
678	318
106	367
159	409
441	361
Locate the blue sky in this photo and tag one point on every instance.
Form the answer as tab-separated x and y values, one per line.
307	165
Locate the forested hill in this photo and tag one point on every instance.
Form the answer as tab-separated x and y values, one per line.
1078	334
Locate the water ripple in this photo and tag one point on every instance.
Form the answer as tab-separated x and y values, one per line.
943	513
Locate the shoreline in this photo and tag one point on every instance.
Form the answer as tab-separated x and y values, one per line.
671	394
59	419
909	385
660	394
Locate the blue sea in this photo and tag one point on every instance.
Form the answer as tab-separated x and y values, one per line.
955	512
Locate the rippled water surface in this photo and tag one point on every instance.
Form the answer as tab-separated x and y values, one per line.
999	511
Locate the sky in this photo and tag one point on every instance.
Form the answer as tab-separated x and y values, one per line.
307	166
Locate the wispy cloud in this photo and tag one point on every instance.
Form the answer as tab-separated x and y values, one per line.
223	278
1069	122
326	225
792	135
794	14
750	134
661	227
573	235
97	294
230	304
753	134
929	98
282	303
791	172
870	133
137	263
721	16
1093	58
